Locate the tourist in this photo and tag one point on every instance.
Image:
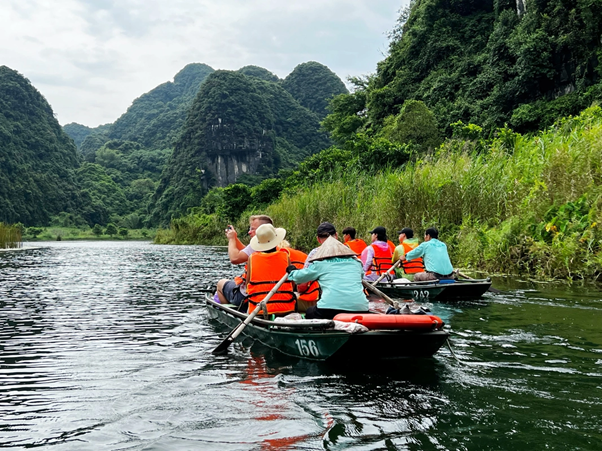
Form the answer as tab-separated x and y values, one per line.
323	232
308	293
267	265
339	273
234	291
376	258
355	244
407	242
436	259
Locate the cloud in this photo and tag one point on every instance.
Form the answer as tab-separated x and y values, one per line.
92	58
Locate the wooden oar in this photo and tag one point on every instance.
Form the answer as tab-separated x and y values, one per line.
392	268
376	291
223	346
493	290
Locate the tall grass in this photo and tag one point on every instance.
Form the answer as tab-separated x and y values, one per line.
513	208
10	236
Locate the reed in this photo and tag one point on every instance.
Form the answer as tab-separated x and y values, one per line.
10	236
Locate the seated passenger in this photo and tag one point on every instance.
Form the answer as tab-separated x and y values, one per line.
407	242
339	273
355	244
267	264
307	293
436	259
376	258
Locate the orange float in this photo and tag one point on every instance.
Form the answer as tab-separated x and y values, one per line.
375	321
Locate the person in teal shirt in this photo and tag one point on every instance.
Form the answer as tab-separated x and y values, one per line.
340	275
436	259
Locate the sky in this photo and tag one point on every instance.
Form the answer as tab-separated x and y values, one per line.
92	58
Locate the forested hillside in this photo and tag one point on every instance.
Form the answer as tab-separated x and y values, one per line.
313	85
487	62
38	160
241	128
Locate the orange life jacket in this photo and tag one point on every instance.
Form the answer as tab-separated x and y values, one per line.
313	292
356	245
382	260
243	277
391	246
412	266
265	270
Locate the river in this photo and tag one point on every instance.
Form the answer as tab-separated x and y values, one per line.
107	346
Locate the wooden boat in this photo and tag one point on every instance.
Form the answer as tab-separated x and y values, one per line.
440	290
319	340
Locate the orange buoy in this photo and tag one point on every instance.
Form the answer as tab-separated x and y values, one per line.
375	321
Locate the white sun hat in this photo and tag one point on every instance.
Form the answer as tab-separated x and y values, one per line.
267	237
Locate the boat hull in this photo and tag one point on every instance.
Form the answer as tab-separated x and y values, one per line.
437	291
330	344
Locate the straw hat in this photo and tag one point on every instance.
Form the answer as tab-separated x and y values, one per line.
332	248
267	237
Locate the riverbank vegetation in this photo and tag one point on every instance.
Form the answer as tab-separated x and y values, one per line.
521	204
110	232
10	236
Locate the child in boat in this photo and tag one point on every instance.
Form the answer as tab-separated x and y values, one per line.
340	274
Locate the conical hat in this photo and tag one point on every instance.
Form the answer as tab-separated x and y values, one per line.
332	248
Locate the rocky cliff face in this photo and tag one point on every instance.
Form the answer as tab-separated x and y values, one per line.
229	155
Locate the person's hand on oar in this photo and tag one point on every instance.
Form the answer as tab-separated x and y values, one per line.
223	346
390	270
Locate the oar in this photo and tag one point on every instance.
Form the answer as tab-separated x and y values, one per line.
493	290
380	293
392	268
223	346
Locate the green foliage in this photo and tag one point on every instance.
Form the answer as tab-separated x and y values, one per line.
156	118
34	231
102	196
525	205
123	232
236	199
37	159
415	124
111	229
258	72
480	63
10	236
313	85
97	229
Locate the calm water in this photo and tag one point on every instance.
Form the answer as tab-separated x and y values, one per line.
106	346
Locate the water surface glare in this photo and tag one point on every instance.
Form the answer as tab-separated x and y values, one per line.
106	346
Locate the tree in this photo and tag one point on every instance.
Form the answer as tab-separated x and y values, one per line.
415	124
97	229
123	232
111	230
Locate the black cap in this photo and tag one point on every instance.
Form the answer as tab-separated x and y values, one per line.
409	233
325	230
379	230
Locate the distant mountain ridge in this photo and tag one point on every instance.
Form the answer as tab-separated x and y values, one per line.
38	160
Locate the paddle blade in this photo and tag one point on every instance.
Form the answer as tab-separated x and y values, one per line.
222	348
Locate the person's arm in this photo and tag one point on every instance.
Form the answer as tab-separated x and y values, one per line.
304	275
399	252
235	247
418	252
369	257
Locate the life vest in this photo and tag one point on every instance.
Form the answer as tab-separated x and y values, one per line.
264	271
356	245
239	280
382	259
313	292
391	246
412	266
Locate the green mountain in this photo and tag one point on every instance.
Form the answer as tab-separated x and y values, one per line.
37	159
258	72
313	85
239	128
79	132
488	62
155	118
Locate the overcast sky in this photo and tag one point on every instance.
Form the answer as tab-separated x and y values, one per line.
92	58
